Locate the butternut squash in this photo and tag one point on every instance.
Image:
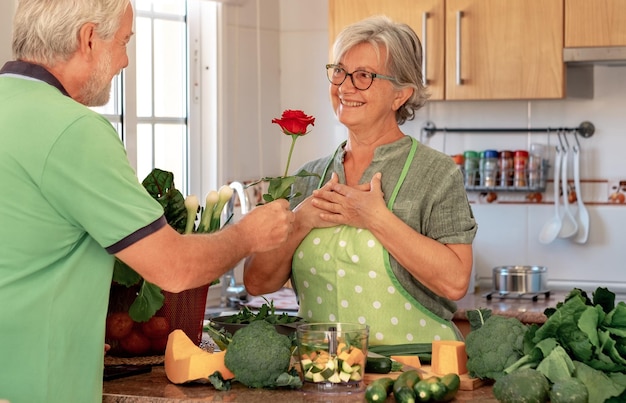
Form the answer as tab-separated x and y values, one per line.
449	356
186	362
410	360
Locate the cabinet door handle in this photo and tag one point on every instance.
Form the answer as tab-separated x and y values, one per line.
424	45
459	15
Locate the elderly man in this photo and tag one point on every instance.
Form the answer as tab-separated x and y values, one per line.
72	203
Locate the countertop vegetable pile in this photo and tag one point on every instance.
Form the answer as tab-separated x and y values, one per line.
577	355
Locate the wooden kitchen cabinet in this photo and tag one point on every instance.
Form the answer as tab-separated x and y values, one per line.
509	49
494	49
426	17
595	23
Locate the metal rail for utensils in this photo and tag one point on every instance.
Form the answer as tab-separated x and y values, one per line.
585	129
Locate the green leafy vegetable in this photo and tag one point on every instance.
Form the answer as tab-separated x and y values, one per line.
583	338
160	185
266	313
477	317
219	382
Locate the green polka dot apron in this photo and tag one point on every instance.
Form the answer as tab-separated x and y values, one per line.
343	274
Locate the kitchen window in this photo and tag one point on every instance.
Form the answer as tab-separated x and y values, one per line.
157	101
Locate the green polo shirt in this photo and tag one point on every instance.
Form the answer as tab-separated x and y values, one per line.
432	200
68	194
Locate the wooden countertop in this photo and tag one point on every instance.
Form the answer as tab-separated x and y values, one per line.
156	388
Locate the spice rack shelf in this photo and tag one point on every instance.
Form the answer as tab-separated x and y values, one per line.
536	184
534	180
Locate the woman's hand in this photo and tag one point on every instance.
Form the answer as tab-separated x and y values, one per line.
355	206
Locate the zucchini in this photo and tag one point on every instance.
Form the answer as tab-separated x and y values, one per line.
437	389
378	365
422	391
378	390
452	382
403	386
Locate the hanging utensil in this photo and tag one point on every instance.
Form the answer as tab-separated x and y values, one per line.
569	228
552	227
582	215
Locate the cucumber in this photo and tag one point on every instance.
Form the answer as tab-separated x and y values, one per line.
378	365
437	389
403	386
378	390
422	391
452	382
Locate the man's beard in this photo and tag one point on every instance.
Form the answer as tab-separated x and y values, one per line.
97	90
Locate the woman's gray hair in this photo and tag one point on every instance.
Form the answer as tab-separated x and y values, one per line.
403	55
46	31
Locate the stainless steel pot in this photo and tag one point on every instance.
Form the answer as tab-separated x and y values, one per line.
520	279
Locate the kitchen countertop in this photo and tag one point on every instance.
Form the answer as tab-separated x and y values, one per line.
155	388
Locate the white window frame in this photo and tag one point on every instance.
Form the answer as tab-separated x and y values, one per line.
204	159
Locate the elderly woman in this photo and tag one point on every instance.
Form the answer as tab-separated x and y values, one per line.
385	237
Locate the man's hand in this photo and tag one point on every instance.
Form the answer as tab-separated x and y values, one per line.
268	226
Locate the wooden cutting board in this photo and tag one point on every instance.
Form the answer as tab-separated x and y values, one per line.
467	383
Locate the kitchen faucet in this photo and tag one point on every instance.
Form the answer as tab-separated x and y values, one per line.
232	293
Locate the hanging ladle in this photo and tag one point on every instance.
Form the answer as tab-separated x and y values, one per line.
582	215
552	227
569	228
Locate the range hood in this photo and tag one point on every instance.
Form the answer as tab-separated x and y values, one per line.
609	55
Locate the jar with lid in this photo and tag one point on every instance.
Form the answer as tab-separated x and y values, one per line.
506	168
536	158
471	168
520	164
488	168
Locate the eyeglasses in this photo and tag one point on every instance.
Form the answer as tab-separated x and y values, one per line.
361	79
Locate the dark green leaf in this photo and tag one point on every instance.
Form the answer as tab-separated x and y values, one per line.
160	185
477	317
123	274
605	298
147	303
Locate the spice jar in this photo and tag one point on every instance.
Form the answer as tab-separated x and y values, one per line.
471	168
488	168
506	168
520	163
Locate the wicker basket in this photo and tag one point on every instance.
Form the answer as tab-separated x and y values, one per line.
184	310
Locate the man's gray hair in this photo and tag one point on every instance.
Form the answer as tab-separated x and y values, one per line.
46	31
403	55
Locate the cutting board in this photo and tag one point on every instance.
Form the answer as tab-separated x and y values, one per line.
467	383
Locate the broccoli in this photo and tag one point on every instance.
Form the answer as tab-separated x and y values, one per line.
525	385
258	355
494	346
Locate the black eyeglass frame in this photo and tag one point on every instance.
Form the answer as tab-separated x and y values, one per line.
373	75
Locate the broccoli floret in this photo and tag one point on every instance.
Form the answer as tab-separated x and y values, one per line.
525	385
258	355
494	346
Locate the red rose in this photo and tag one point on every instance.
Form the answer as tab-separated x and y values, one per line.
294	122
